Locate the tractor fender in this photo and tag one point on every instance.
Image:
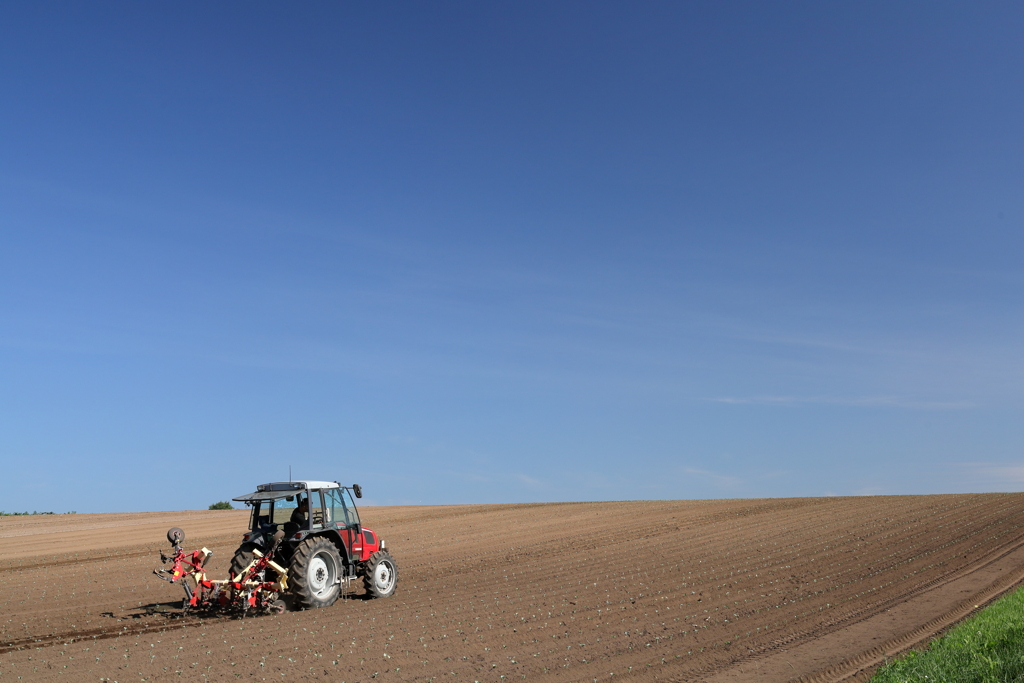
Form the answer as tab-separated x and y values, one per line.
336	539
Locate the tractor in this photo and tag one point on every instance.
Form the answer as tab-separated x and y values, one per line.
323	546
305	545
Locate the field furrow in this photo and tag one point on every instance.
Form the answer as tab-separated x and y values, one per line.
666	590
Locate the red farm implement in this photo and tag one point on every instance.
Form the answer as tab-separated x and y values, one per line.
256	588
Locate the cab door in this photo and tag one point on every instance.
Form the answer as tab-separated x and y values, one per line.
354	527
338	518
317	513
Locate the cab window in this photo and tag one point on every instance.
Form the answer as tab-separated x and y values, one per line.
353	515
316	509
260	516
281	509
337	511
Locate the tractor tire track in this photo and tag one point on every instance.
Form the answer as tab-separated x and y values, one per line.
71	637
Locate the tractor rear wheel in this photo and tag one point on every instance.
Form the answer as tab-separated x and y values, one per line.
380	574
243	556
315	571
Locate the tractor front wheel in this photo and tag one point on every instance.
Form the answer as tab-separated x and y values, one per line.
316	573
381	574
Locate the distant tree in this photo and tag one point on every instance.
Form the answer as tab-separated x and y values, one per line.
223	505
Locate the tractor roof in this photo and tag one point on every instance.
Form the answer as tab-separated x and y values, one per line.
297	485
283	489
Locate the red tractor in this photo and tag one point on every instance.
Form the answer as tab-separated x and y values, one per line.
305	545
312	528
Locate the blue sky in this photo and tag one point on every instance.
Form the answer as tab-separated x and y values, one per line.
499	252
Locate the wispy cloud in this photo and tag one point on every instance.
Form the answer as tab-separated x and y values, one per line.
997	472
863	401
721	479
529	481
815	343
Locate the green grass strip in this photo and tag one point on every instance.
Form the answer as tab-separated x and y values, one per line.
988	648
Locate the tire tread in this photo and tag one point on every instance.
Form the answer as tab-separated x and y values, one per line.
371	566
299	569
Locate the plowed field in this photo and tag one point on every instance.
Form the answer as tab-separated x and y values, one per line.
731	590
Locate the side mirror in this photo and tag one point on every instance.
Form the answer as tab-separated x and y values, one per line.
358	490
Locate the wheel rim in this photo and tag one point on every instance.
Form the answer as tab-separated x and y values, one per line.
384	576
322	574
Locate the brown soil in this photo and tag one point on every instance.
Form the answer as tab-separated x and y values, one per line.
733	590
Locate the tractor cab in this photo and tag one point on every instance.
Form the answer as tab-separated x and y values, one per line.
314	527
302	508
